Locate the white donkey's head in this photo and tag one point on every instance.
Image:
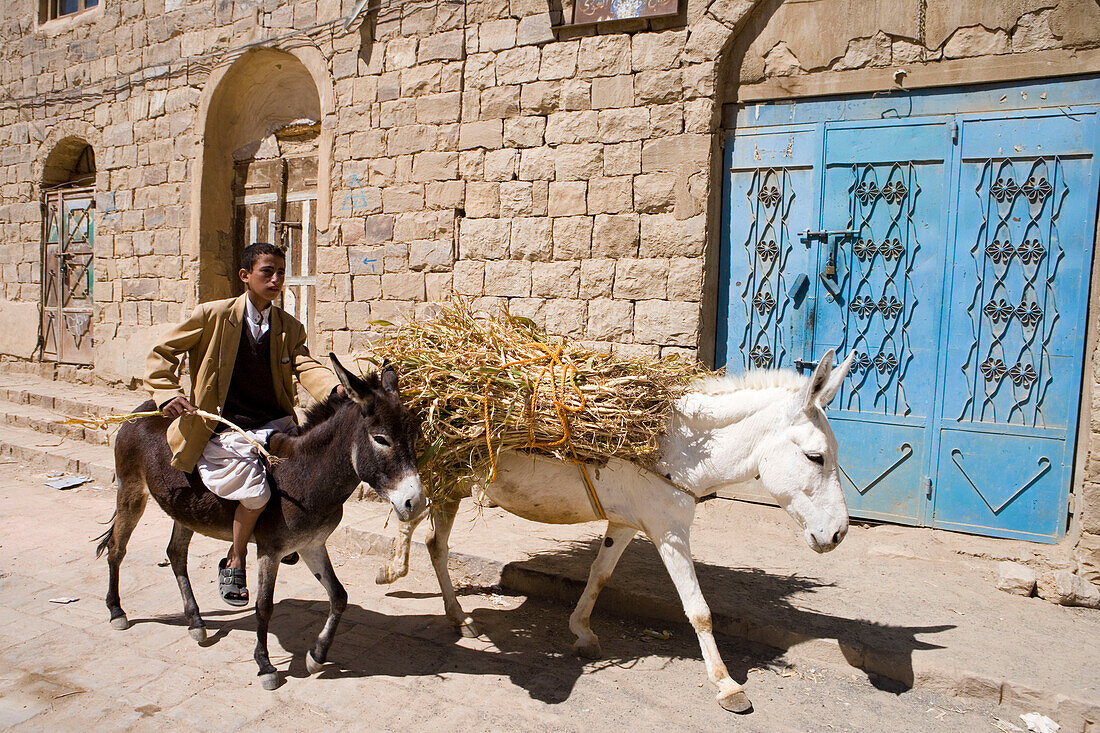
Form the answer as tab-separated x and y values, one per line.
769	424
797	460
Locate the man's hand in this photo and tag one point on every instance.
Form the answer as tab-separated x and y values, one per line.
177	407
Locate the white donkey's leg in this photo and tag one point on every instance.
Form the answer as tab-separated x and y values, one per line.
615	541
443	517
398	566
669	533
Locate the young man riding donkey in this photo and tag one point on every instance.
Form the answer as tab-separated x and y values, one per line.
244	355
261	362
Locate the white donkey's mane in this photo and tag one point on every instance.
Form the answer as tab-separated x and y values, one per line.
756	379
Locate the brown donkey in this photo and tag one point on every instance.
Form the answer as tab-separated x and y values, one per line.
366	436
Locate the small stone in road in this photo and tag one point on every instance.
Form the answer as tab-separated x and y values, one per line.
1066	589
1015	578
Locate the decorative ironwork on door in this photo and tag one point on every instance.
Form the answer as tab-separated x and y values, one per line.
67	276
766	251
1013	310
880	293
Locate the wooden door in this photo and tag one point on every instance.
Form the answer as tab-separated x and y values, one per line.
67	273
275	200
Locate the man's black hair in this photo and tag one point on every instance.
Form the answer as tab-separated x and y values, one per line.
253	251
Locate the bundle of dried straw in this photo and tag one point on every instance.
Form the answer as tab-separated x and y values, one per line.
485	383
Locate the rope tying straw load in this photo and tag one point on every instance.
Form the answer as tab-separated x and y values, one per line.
483	384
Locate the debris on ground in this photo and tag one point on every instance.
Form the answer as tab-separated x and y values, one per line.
662	635
68	482
64	600
1039	723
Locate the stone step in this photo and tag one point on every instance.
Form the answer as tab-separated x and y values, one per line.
58	453
74	400
29	401
49	422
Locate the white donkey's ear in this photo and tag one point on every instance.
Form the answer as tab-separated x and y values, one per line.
832	384
818	380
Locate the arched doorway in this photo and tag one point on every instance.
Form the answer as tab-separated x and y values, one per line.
260	174
68	240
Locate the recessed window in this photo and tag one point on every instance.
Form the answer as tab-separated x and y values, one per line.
50	9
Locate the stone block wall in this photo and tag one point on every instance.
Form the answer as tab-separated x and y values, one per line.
474	147
783	43
563	173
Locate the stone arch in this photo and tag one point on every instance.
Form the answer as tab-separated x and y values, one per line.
241	104
59	153
712	32
711	36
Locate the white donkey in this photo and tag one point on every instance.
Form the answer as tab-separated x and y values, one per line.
724	430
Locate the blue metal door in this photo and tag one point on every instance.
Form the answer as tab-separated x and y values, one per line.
1016	331
884	301
951	250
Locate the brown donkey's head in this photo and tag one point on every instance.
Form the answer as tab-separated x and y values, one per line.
383	446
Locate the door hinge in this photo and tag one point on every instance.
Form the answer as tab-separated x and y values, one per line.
927	487
954	130
1072	504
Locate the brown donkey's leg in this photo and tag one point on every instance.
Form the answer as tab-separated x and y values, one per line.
130	504
267	566
177	555
317	560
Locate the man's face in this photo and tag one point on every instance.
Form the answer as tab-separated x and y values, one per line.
265	281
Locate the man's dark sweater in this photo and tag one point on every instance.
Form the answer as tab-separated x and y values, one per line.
251	402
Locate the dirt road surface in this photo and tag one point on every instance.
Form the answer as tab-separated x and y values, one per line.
396	664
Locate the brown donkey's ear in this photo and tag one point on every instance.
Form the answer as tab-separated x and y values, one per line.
357	389
389	376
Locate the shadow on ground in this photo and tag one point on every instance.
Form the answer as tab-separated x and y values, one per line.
774	610
757	616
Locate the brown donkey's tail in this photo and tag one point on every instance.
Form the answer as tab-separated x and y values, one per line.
105	538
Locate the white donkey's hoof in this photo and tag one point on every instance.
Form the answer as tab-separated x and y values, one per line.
735	701
588	649
468	628
198	633
385	576
312	665
120	624
269	681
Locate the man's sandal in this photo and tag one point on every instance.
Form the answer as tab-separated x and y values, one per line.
232	585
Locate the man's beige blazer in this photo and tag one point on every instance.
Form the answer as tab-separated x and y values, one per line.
210	338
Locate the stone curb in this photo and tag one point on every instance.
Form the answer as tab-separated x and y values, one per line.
802	650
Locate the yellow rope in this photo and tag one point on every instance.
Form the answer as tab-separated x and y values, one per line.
553	361
102	423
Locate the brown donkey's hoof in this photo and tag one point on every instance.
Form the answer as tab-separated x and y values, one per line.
198	633
120	624
269	681
312	665
735	702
